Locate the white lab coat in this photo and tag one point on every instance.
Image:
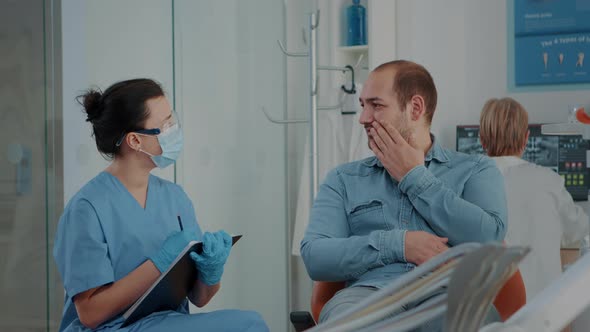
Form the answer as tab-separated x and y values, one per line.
541	215
341	139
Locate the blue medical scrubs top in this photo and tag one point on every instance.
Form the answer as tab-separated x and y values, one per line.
104	234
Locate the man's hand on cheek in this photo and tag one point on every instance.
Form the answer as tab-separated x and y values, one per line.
397	156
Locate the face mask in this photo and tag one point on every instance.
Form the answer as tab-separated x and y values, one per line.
171	142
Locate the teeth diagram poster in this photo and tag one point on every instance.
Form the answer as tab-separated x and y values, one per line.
552	41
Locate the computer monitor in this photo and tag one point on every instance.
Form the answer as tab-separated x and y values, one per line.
565	154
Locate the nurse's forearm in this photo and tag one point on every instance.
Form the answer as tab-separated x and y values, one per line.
202	293
97	305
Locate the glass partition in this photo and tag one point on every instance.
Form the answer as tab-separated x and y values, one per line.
30	291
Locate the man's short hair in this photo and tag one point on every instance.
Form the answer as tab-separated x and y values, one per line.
412	79
503	127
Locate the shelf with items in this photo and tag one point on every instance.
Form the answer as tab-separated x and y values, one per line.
332	38
349	30
380	33
335	37
354	49
353	26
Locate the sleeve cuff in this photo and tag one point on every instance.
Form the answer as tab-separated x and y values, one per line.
392	246
416	181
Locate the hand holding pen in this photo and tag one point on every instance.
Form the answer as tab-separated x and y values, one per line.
172	247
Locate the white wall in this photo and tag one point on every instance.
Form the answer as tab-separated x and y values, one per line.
234	168
103	45
463	43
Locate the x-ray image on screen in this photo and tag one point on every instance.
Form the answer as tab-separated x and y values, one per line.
566	155
543	150
470	145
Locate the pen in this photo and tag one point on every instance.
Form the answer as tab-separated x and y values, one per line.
180	223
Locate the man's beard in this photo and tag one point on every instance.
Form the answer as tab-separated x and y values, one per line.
404	129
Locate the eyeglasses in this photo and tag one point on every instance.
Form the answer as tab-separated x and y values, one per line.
169	123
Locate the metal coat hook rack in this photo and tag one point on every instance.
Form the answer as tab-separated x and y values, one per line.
293	54
279	121
314	20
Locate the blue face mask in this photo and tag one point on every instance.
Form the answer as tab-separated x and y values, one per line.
171	142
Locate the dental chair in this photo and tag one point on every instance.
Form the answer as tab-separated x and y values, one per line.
509	299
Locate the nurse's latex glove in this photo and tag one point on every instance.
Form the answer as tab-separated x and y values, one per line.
216	248
173	245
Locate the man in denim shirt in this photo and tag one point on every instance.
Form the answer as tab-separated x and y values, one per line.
377	218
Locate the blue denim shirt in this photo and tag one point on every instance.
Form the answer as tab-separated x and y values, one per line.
360	215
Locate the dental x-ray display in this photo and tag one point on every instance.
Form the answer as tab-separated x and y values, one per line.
564	154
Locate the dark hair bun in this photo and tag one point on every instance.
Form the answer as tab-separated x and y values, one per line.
119	110
93	106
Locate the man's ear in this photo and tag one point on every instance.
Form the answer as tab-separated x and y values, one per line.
418	107
134	141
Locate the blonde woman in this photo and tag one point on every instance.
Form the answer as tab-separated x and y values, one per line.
541	213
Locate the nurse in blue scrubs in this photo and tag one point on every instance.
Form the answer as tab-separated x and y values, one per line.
123	228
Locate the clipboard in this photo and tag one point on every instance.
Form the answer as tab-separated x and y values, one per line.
171	288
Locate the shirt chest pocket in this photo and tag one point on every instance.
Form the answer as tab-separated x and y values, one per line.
367	217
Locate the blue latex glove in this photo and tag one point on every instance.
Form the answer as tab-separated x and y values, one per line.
171	248
216	248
